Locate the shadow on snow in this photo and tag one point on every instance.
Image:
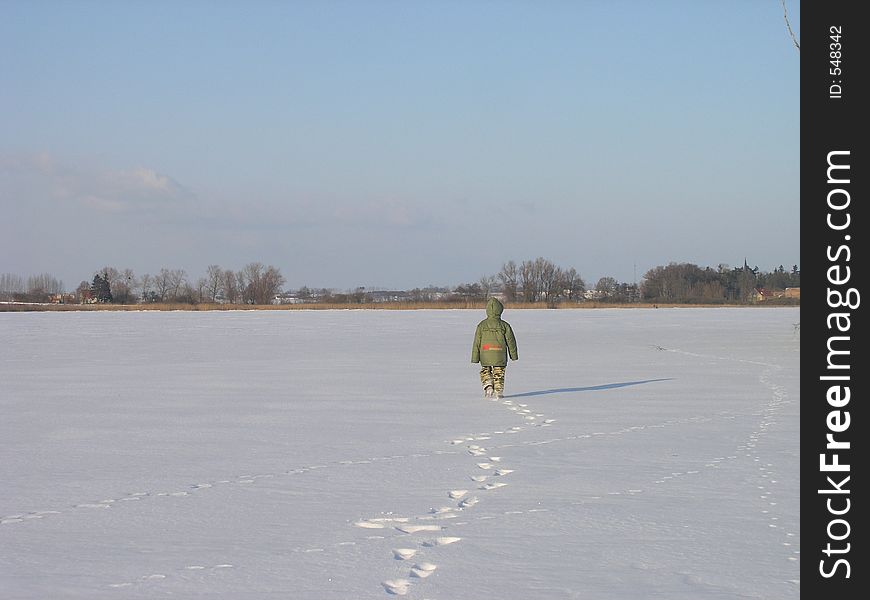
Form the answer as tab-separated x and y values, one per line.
590	388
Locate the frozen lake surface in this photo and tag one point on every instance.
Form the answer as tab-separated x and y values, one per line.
349	455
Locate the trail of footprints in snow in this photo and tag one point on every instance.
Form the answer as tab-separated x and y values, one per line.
489	470
252	479
248	479
779	399
240	480
403	586
162	577
748	450
490	466
189	490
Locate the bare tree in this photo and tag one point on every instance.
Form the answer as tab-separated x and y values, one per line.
187	293
230	286
249	281
509	278
10	284
129	283
214	279
163	284
145	284
242	286
261	283
177	280
529	281
488	285
271	284
573	285
606	285
40	287
788	26
537	278
550	281
202	288
83	292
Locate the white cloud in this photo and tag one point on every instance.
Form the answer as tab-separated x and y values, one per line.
43	178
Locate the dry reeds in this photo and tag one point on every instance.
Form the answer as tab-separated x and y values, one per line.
462	305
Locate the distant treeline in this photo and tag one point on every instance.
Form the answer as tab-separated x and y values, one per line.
531	281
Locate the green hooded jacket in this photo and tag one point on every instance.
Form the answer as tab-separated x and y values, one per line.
494	339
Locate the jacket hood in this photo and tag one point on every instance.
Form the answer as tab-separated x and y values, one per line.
494	308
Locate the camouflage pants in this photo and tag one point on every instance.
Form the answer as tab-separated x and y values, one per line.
493	376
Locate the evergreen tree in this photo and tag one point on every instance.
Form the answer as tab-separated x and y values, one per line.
101	289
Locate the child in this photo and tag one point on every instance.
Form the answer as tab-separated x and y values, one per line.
493	341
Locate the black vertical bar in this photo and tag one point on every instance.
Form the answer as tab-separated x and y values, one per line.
834	226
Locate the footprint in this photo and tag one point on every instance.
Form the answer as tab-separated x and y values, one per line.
468	502
369	525
480	478
457	494
441	541
423	570
492	486
403	553
397	587
418	528
501	472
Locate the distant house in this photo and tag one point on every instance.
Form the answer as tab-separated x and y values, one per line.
764	294
388	296
62	299
286	298
792	292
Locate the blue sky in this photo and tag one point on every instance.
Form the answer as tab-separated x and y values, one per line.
397	144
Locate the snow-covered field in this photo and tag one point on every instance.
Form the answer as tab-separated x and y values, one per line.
349	455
